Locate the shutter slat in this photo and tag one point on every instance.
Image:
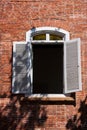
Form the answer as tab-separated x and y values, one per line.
21	76
72	66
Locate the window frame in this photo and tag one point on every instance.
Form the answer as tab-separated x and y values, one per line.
58	31
47	30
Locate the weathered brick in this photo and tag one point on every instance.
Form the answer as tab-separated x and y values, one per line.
16	18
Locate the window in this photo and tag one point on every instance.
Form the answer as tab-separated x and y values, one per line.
47	36
46	64
39	37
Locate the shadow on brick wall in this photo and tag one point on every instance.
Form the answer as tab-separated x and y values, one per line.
22	115
79	121
19	113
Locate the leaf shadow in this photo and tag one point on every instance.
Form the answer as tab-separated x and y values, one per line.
79	121
20	114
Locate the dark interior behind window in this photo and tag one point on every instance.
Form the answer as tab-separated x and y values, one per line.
48	68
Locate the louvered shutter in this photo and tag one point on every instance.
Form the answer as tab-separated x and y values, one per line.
72	66
21	81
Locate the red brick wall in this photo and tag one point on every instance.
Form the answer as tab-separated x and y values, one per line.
16	18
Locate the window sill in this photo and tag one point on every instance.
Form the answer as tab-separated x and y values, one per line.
49	97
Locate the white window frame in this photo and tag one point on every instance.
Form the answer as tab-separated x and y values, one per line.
58	31
47	30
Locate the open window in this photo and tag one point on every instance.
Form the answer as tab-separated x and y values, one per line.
46	65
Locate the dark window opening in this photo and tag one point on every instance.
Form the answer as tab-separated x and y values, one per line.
47	68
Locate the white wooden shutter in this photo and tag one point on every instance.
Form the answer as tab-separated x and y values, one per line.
72	66
21	81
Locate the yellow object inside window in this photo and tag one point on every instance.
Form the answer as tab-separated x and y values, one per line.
39	37
55	37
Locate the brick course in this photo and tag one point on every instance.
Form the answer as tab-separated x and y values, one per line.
16	18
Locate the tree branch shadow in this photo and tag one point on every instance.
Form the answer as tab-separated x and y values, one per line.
79	121
19	114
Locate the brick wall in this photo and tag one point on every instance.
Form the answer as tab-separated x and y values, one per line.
16	18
